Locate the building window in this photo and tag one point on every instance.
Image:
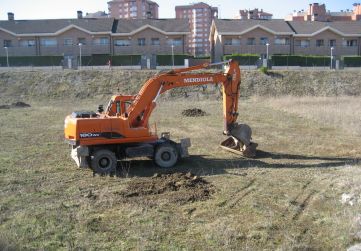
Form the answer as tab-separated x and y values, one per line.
155	41
320	43
251	41
282	41
228	41
48	42
7	43
122	42
236	41
68	42
82	41
175	42
141	41
27	43
350	43
231	41
332	42
264	40
303	43
101	41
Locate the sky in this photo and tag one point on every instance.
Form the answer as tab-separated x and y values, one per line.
51	9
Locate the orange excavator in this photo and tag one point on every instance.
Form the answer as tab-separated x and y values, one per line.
122	130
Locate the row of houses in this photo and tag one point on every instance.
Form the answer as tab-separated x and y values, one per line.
93	36
150	37
284	37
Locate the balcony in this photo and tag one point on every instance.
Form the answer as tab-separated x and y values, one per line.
147	49
98	48
19	51
256	49
326	50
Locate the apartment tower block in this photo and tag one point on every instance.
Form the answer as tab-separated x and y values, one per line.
133	9
200	17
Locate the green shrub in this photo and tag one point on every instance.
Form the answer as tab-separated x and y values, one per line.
103	59
126	60
32	61
352	61
95	60
299	60
243	59
166	60
202	57
264	70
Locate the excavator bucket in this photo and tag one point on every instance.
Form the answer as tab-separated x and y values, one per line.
240	141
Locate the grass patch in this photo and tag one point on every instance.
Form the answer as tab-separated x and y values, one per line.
287	198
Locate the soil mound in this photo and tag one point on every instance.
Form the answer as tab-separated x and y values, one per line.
20	104
15	105
4	106
179	188
195	112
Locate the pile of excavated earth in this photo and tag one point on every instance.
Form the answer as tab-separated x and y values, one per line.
195	112
177	188
15	105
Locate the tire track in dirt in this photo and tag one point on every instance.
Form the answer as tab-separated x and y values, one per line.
295	200
239	198
301	207
304	187
302	201
292	216
236	197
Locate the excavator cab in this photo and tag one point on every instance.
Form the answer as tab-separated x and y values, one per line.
118	105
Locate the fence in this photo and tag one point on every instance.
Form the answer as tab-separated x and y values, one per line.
247	61
244	59
93	60
303	61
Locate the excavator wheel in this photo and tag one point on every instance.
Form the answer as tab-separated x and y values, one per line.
103	161
166	155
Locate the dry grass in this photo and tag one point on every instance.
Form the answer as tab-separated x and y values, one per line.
288	198
340	112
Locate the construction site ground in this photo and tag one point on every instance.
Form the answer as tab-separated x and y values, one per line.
302	192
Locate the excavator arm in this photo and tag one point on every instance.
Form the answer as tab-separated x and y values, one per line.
145	102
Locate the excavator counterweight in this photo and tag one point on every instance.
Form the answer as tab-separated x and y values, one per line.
122	130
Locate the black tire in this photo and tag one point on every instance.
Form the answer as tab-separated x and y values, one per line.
103	161
166	155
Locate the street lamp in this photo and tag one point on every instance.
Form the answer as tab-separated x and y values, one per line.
7	55
267	51
331	56
80	45
173	54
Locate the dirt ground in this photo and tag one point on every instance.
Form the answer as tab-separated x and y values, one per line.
302	192
177	188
